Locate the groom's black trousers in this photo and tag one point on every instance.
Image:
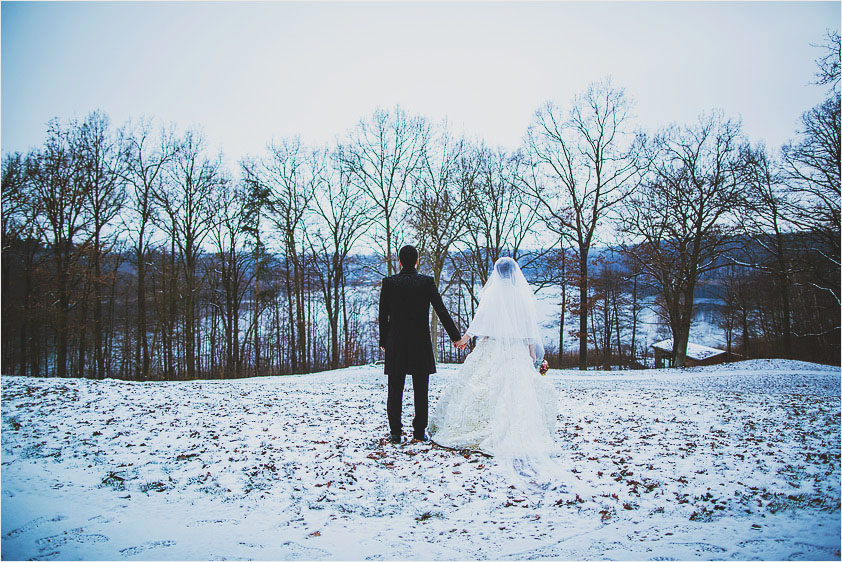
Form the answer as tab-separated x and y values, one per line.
394	403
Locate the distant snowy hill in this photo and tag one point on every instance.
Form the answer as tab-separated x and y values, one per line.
738	461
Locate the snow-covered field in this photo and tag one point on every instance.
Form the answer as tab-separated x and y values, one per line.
734	462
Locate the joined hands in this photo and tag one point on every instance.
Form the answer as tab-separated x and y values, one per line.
462	343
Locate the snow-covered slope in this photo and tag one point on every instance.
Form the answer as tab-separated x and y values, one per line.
737	461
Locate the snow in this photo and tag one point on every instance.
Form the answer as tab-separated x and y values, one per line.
736	461
694	351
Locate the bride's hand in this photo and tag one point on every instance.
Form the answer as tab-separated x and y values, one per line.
462	343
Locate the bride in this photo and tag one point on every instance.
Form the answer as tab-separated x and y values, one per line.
499	403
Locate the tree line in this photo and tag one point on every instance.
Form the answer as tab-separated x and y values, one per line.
134	253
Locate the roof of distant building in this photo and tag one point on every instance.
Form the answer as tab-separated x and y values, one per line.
695	351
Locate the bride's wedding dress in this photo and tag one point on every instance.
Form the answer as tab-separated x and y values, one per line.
498	403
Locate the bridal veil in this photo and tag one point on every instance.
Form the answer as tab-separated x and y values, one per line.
507	310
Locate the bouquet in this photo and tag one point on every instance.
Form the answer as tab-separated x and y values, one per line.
544	367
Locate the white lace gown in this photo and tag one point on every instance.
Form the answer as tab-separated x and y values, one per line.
498	403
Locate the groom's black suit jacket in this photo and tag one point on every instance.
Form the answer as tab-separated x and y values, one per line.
405	301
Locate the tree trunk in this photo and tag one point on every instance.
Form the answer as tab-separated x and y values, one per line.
235	325
278	341
256	315
682	338
744	324
389	267
785	297
583	308
606	321
563	306
680	346
170	323
190	313
109	358
301	343
291	349
434	320
634	320
334	321
616	307
787	322
142	346
346	331
83	331
62	306
27	311
99	352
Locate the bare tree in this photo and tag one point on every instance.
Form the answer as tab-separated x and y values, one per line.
189	199
583	155
259	201
228	236
440	201
812	168
59	190
144	158
342	216
382	156
828	64
738	307
289	175
15	200
501	217
765	218
635	290
812	173
20	244
605	309
678	219
102	169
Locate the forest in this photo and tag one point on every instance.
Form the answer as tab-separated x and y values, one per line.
134	252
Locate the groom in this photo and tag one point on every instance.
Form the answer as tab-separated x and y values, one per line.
405	301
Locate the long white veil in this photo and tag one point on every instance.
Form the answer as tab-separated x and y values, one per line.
507	310
520	405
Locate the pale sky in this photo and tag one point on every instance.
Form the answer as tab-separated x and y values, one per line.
249	72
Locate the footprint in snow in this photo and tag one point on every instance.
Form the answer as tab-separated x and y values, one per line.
211	522
32	525
135	550
54	555
301	552
705	547
813	552
73	535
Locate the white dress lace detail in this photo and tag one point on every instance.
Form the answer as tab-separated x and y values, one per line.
498	403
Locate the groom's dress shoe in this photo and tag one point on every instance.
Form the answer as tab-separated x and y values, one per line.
393	438
422	437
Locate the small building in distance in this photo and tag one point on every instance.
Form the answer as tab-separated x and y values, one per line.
696	354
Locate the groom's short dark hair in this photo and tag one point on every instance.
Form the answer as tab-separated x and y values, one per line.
408	256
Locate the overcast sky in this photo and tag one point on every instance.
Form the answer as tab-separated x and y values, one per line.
249	72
